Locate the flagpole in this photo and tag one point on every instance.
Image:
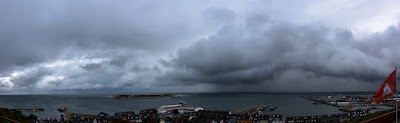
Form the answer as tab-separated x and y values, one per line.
396	94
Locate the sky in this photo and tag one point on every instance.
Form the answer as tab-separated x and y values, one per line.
157	46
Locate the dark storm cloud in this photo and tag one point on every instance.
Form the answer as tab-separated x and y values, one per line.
57	45
115	46
36	31
119	61
262	51
28	80
91	67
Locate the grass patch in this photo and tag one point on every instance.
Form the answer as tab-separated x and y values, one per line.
369	116
16	115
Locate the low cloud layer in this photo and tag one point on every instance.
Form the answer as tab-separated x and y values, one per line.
148	46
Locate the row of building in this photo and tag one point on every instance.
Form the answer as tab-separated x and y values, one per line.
151	116
203	116
226	117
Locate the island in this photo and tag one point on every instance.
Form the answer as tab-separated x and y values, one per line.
146	96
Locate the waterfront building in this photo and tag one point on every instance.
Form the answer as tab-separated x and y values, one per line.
148	113
123	115
260	119
243	119
103	117
75	118
135	119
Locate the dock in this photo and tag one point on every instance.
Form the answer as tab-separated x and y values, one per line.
27	109
253	110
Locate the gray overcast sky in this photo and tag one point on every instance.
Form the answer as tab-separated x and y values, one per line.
142	46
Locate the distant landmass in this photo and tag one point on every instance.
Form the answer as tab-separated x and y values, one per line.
146	96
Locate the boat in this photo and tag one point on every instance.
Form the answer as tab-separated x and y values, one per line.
272	109
347	109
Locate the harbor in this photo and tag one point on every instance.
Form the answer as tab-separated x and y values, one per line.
215	106
288	104
350	103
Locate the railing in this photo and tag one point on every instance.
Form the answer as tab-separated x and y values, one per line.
4	119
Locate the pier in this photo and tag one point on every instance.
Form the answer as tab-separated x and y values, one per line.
321	102
27	109
253	110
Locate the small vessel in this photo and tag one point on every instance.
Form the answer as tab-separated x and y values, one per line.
272	109
347	109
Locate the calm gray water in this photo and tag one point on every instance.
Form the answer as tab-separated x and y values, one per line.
289	104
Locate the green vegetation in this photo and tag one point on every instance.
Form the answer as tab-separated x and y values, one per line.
16	115
369	116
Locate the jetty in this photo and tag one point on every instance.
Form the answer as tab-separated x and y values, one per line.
27	109
253	110
320	101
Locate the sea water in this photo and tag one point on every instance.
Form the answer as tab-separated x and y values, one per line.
288	104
